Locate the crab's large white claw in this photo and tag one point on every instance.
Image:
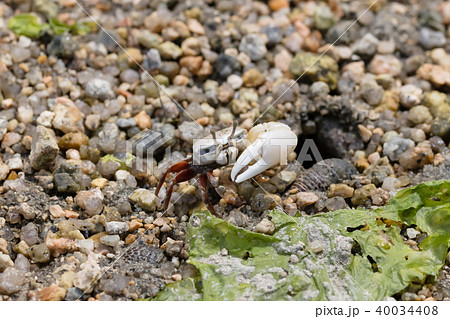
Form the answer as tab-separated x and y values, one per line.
271	143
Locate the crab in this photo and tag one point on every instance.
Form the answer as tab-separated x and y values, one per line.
268	144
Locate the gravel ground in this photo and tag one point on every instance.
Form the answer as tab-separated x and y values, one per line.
72	200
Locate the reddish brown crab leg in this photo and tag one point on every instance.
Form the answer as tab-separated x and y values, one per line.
184	175
175	168
203	180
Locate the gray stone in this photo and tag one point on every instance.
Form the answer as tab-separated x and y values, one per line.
189	131
253	45
431	39
110	240
396	146
44	148
99	89
62	45
11	281
116	228
30	234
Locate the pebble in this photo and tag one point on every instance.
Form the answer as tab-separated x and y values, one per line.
110	240
390	184
341	190
253	78
396	146
420	114
380	197
319	90
99	89
305	199
416	157
144	198
265	226
172	247
62	45
323	18
385	64
410	95
52	293
44	148
372	92
253	45
169	51
116	228
412	233
190	131
366	46
335	203
29	234
68	118
430	39
11	281
39	253
5	262
91	201
235	81
142	120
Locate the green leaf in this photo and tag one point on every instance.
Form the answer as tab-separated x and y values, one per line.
59	27
346	254
185	290
27	24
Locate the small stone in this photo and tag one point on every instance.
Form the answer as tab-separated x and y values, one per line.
143	121
253	78
62	45
265	226
99	89
5	262
15	163
341	190
110	240
430	39
436	74
44	148
293	259
68	118
365	133
371	92
305	199
319	90
390	184
116	228
91	201
276	5
190	131
335	203
315	67
99	182
253	45
410	95
362	194
52	293
191	63
385	64
323	18
56	211
11	281
169	51
396	146
412	233
172	247
4	171
29	234
45	118
73	140
235	81
39	253
416	157
379	197
420	114
144	198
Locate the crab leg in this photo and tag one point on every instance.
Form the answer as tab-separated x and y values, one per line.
178	167
184	175
203	180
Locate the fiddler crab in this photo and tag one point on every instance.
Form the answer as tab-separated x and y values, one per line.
266	144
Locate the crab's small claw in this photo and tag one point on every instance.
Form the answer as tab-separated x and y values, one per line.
271	143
